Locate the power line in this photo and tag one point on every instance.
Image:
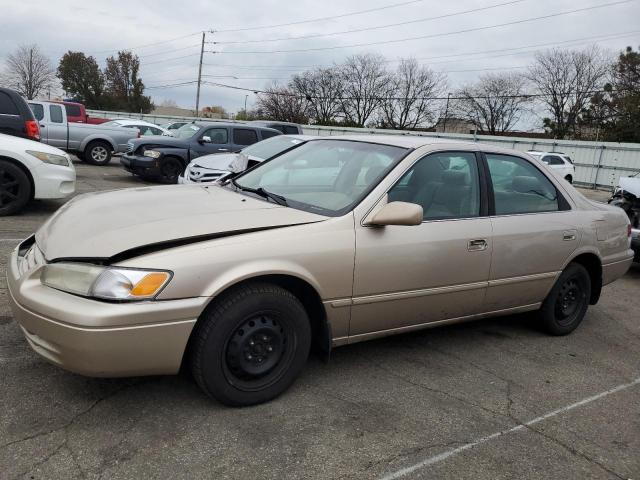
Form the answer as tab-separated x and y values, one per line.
366	29
422	37
148	44
171	59
321	19
168	51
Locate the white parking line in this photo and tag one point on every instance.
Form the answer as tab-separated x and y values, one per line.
449	453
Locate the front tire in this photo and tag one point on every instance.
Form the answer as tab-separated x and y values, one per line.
251	345
15	188
97	153
566	305
569	178
170	169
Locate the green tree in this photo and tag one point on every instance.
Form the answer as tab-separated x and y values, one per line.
617	110
123	84
81	78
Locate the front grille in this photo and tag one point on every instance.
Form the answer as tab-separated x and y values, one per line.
130	147
203	176
30	260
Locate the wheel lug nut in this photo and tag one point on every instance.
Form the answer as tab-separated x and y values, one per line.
249	357
251	342
265	338
269	348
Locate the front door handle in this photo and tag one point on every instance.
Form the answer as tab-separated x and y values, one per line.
223	149
477	245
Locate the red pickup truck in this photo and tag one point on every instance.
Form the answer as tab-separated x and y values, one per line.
76	113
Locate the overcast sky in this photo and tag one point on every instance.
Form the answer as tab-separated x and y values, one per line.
102	28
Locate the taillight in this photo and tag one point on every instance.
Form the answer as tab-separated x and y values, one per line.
33	130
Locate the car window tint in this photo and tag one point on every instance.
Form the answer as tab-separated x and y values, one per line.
38	110
7	107
73	110
446	185
519	187
291	130
268	134
217	135
554	160
55	111
244	136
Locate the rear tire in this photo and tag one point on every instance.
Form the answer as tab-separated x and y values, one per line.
97	152
251	345
15	188
566	305
569	178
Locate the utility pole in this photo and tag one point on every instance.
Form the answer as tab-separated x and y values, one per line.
199	77
446	114
245	103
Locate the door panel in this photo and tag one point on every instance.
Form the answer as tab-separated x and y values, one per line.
425	273
56	127
219	142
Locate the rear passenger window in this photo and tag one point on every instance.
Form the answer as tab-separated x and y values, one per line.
38	110
446	185
519	187
243	136
268	134
7	107
73	110
56	113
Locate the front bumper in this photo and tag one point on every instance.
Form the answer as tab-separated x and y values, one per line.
141	165
98	338
54	181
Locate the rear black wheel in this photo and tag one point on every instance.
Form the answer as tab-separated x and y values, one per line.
170	169
251	345
566	305
15	188
98	153
569	178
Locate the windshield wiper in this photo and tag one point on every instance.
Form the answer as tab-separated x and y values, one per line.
279	199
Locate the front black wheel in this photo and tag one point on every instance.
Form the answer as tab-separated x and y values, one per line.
251	344
15	188
566	305
170	169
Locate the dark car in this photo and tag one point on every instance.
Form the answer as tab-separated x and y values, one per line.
287	128
165	158
16	118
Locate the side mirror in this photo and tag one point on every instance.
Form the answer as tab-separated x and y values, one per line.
398	213
205	139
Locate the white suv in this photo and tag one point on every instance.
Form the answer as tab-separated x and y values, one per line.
558	161
32	170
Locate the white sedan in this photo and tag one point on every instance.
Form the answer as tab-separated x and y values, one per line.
145	128
32	170
557	161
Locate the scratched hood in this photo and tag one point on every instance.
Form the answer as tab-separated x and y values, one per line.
101	225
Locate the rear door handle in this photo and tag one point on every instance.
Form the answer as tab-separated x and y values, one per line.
477	245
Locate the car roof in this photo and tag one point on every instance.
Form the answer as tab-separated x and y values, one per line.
404	141
133	121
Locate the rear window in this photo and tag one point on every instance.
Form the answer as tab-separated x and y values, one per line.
73	110
291	130
38	110
7	107
243	136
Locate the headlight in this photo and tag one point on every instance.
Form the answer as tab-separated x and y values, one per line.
51	158
152	153
109	283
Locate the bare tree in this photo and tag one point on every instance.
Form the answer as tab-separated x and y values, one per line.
322	88
409	101
365	80
29	71
283	103
494	103
566	80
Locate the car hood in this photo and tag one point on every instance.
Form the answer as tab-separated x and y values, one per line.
105	224
160	141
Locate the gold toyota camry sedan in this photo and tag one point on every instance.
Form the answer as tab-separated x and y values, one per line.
340	240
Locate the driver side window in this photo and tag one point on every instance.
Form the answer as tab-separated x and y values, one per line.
446	185
219	136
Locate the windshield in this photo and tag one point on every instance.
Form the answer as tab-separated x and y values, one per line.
186	131
271	147
328	177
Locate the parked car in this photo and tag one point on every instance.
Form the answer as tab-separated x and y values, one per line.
32	170
397	234
210	168
561	163
146	129
627	197
94	144
16	118
165	158
287	128
77	113
171	126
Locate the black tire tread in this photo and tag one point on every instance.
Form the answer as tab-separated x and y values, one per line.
87	157
548	305
23	178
